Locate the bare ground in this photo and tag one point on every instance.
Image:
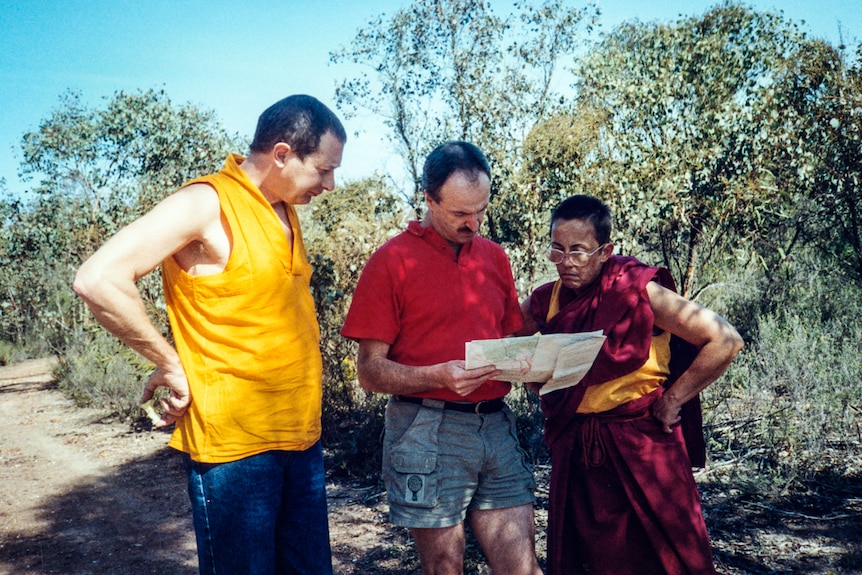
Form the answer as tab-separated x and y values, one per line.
83	494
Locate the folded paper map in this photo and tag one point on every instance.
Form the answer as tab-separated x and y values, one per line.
149	408
557	360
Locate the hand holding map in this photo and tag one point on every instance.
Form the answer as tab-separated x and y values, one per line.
558	360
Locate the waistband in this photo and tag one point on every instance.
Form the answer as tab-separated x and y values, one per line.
481	408
594	451
640	408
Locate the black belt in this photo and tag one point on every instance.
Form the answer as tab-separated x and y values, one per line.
482	408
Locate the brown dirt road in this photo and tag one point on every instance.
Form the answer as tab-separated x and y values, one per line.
82	495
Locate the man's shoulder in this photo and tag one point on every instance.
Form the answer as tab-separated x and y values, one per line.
213	181
201	185
626	273
198	198
399	242
627	266
489	250
385	254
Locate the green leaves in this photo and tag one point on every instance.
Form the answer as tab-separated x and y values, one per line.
814	148
666	116
135	150
95	170
439	70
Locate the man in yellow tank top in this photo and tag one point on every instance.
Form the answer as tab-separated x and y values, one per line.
245	376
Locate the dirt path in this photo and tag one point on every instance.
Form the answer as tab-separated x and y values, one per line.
81	494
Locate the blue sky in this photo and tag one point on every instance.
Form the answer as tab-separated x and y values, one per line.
239	57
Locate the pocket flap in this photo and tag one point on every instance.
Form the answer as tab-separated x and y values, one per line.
414	461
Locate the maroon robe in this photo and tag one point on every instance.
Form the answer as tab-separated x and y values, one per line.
622	497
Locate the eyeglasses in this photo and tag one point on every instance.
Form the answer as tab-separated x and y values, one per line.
578	258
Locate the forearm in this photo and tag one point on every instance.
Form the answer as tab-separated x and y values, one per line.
705	369
378	373
717	340
711	361
120	309
382	375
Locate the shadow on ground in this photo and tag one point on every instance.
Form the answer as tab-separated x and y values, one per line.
127	522
817	529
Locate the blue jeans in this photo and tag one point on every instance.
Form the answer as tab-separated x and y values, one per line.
262	515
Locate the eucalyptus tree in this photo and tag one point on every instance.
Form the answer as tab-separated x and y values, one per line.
672	107
438	70
91	171
813	150
119	160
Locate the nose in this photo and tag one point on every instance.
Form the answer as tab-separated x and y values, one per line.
473	222
328	182
568	261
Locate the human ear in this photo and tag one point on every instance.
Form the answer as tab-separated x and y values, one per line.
607	251
281	152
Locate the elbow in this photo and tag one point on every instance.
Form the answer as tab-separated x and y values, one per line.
371	366
83	284
366	381
734	343
739	344
88	283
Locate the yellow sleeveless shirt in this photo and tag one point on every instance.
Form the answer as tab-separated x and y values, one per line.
248	336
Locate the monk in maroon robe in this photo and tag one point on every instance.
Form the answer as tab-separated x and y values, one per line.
623	441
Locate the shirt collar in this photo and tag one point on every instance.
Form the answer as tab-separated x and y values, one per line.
435	240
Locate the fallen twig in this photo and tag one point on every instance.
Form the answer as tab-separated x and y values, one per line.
798	515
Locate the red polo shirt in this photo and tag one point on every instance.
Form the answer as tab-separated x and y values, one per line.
426	303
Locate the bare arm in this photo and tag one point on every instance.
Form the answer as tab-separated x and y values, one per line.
107	283
718	341
380	374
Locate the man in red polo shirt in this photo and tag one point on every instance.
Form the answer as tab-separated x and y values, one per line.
450	449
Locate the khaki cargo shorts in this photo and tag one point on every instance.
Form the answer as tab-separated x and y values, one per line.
439	463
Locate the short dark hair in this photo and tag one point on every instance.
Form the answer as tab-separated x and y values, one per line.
298	121
448	158
584	207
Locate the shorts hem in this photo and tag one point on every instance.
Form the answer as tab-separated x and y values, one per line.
426	522
525	499
434	522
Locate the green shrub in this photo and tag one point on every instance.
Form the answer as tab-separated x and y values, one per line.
99	370
791	403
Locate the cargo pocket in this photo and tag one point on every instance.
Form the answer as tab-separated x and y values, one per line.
412	481
410	461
